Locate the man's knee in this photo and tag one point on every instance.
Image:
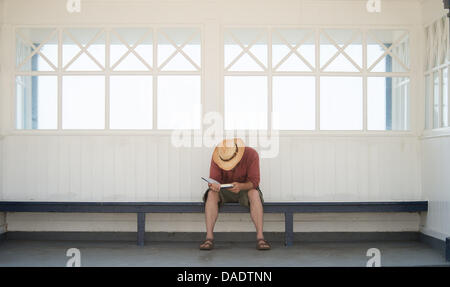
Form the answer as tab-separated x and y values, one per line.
213	196
253	195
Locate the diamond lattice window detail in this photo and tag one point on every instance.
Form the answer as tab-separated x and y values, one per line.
131	49
83	49
341	51
179	49
245	49
293	50
388	51
36	50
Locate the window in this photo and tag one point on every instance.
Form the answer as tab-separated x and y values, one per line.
131	49
296	85
427	101
294	103
179	89
246	102
115	78
341	50
388	103
293	50
436	74
36	50
341	103
436	99
179	102
83	102
36	98
83	49
131	105
444	97
388	51
36	95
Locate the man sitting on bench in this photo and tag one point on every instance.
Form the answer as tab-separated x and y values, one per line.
233	162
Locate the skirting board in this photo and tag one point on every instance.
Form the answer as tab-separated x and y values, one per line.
219	236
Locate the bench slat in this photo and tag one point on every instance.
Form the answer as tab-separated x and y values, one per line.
195	207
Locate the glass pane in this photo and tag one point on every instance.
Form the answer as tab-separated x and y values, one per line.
245	102
169	39
131	102
341	103
435	58
294	103
436	112
282	38
30	55
379	42
131	36
427	101
445	97
341	38
388	103
444	33
93	40
83	102
256	39
36	102
179	102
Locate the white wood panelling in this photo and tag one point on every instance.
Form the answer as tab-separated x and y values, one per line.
145	168
436	186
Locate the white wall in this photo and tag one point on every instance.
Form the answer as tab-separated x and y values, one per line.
435	147
131	167
145	168
436	186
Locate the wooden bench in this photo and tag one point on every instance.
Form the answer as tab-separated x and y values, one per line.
142	208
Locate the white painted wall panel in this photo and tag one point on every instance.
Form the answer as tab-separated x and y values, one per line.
145	168
436	186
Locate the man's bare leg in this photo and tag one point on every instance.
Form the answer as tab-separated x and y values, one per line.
211	212
256	212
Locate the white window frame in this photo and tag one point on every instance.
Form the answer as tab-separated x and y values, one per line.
317	72
437	44
107	72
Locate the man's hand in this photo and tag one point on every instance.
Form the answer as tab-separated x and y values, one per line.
214	187
236	187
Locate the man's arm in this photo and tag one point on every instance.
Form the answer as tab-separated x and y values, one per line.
216	174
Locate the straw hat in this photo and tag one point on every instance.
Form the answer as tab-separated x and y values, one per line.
228	153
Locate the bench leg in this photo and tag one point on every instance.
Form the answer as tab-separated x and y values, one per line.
140	228
288	228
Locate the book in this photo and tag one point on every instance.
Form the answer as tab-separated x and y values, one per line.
222	186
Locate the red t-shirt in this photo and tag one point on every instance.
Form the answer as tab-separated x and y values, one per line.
246	170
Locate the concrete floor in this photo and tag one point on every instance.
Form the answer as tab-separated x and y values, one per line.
53	253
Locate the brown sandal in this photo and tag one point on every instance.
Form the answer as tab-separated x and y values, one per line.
262	244
208	244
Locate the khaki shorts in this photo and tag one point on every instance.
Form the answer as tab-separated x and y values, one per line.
229	196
